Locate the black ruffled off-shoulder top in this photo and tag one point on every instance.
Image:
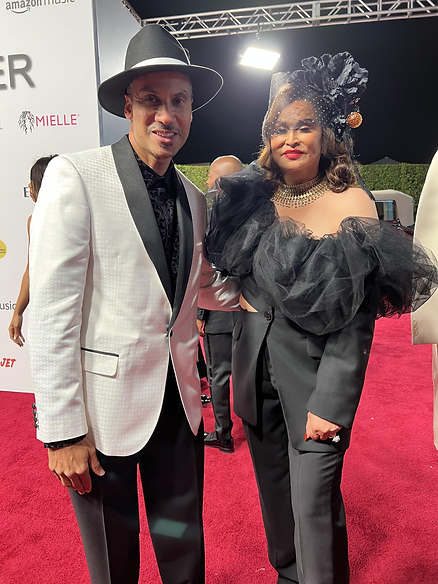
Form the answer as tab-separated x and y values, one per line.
319	283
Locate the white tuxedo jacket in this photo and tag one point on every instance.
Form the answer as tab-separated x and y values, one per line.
425	319
103	319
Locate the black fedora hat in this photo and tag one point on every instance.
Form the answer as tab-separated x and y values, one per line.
155	49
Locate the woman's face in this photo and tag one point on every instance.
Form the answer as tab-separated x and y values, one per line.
296	142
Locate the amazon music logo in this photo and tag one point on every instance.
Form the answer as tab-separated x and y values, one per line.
23	6
7	305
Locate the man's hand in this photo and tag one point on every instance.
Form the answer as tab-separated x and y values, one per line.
71	465
319	429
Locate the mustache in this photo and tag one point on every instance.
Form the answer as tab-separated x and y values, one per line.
168	128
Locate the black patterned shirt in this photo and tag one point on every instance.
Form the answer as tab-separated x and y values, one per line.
162	195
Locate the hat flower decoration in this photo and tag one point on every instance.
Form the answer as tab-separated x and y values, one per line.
340	81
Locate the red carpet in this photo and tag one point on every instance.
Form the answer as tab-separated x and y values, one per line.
390	489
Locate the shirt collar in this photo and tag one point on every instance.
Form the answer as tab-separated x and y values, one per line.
153	179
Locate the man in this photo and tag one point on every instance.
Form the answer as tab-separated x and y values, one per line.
218	328
222	166
116	265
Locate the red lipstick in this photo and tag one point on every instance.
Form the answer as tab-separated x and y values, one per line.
292	154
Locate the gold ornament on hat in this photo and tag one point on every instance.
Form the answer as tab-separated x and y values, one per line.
354	119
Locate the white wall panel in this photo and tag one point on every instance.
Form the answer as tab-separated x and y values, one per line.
48	104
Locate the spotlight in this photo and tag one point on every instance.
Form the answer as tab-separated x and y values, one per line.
260	58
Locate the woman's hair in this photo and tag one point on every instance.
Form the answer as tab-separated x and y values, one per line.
37	172
335	161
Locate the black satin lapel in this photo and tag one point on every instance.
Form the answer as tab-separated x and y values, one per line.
141	209
185	226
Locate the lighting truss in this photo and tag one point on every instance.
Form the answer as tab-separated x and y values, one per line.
288	16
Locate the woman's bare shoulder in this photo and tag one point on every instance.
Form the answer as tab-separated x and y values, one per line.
355	202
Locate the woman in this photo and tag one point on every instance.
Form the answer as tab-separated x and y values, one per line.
316	268
36	178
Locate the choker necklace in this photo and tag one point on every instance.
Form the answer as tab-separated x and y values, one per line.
302	194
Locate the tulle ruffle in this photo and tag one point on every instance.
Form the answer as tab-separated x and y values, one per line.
241	211
319	283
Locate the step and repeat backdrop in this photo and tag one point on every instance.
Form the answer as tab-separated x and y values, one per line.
48	105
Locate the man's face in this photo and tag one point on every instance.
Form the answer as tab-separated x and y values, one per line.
159	108
213	174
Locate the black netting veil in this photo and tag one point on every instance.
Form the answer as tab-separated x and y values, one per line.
332	84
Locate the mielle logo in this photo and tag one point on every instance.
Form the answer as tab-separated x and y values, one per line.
5	362
57	120
28	121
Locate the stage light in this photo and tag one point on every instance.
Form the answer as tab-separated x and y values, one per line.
260	58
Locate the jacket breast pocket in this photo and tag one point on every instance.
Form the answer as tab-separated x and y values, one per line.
315	346
99	362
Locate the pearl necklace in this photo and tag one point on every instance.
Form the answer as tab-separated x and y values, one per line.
302	194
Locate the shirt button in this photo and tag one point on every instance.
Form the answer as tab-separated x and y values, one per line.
267	315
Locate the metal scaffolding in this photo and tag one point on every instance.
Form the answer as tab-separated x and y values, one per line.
288	16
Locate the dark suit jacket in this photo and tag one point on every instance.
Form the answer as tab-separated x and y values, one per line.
320	374
217	321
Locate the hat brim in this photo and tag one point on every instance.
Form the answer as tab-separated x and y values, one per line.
206	84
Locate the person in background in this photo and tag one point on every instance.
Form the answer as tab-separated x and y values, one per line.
217	326
116	272
222	166
425	319
36	177
202	372
316	267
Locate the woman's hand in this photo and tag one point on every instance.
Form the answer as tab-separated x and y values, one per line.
15	330
200	324
319	429
245	304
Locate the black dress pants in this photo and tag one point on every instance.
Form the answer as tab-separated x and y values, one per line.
300	496
218	348
171	468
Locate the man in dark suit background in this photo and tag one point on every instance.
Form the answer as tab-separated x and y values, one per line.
218	328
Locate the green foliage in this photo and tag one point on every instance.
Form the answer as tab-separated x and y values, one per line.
197	174
407	178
